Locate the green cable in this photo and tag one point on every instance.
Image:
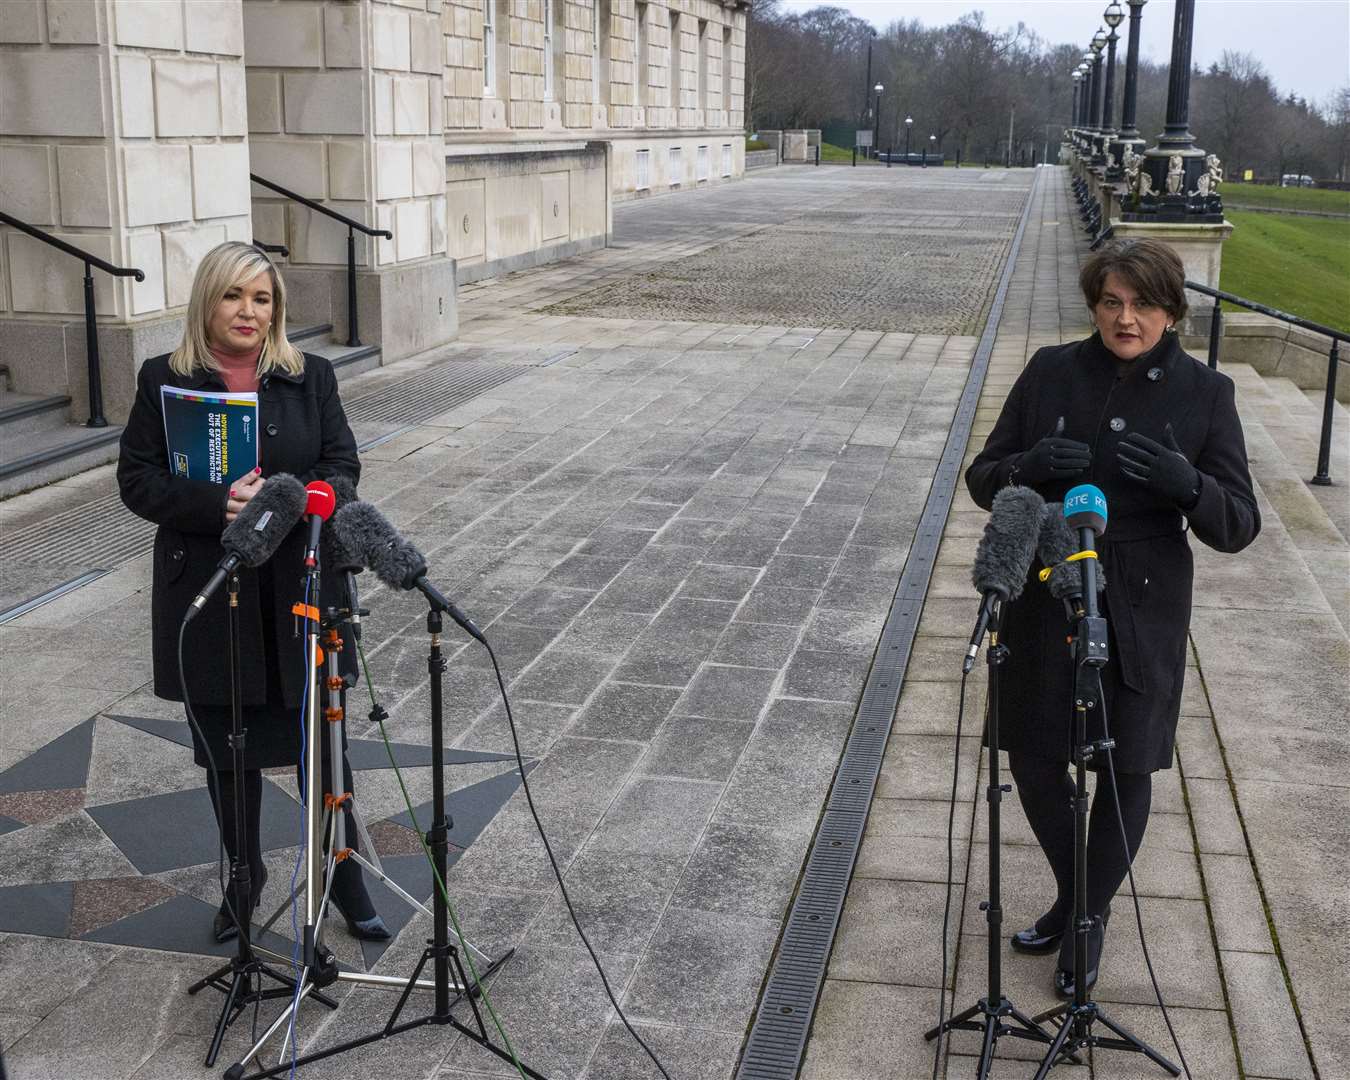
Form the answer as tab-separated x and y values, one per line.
440	884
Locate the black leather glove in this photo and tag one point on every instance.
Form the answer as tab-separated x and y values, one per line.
1053	458
1163	469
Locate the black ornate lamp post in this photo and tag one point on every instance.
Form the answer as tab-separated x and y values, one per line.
909	123
876	122
932	140
1077	90
1088	81
1113	17
863	115
1127	141
1175	180
1098	85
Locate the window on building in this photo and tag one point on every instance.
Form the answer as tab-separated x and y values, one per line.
726	75
489	49
676	166
640	68
702	61
726	159
548	49
644	170
701	165
676	67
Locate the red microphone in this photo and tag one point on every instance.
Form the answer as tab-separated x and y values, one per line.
320	503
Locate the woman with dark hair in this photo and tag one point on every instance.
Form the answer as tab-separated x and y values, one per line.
234	339
1129	411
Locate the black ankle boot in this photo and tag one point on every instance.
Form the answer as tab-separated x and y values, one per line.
350	898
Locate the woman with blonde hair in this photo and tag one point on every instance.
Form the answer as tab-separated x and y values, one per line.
235	340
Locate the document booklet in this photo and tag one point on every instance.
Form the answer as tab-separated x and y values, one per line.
210	436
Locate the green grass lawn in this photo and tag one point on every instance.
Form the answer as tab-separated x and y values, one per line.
1297	264
1286	198
830	152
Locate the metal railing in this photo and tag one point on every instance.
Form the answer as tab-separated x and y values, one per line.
353	227
1323	476
96	417
272	249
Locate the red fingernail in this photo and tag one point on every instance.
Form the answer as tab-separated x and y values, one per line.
232	495
258	469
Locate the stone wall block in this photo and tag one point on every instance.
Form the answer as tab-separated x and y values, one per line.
328	103
45	94
72	22
136	97
384	249
391	46
293	163
187	98
82	173
264	101
21	22
428	167
26	188
435	107
214	26
283	35
347	170
158	184
342	35
148	24
233	99
269	221
383	106
220	185
145	252
317	238
425	45
393	170
411	106
412	230
44	280
183	251
438	225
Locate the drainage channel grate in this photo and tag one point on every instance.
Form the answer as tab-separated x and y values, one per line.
777	1041
97	536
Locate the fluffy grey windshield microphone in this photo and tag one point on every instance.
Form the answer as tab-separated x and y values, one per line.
1004	556
337	557
395	561
1056	544
256	532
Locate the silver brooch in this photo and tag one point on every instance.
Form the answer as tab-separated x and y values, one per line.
1117	423
1154	374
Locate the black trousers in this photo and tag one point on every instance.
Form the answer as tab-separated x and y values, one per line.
1046	790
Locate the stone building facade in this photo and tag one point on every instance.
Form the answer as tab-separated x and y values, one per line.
485	135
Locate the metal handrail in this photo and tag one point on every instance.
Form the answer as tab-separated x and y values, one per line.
353	226
1323	476
273	249
96	417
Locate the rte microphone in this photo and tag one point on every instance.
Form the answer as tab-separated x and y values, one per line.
1004	556
1055	546
255	533
395	561
319	505
1085	513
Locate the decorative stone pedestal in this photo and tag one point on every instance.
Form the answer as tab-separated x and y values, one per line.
1201	249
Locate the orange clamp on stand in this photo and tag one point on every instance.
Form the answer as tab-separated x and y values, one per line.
332	715
306	611
333	802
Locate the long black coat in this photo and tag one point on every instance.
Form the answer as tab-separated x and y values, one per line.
303	431
1144	549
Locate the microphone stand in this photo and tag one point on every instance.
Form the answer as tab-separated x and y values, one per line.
329	834
1090	654
236	980
994	1009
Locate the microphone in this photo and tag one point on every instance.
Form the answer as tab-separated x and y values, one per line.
1004	556
1054	547
319	504
1085	512
395	561
337	557
255	533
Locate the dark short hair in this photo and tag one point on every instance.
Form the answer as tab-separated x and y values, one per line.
1149	267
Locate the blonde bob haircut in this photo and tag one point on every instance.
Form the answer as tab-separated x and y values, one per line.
224	267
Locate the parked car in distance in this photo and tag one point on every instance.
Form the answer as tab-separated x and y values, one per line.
1296	180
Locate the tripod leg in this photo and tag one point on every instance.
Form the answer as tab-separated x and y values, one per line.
1053	1055
953	1022
226	1015
987	1051
1138	1044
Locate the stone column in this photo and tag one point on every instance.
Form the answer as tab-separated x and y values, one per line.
122	131
346	107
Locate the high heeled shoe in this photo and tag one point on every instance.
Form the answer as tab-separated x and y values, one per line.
348	895
1063	982
223	926
1033	941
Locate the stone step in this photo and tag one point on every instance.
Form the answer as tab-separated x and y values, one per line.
25	413
1290	504
347	360
36	458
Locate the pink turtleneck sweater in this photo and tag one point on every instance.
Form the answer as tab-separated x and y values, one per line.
239	372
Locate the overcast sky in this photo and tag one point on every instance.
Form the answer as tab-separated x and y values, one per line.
1304	44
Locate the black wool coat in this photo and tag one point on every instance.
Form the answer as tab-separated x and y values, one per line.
1144	550
303	431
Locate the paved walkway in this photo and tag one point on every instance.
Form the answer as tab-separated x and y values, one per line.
1242	874
682	537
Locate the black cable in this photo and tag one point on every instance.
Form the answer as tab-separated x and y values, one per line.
1134	894
951	872
548	848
